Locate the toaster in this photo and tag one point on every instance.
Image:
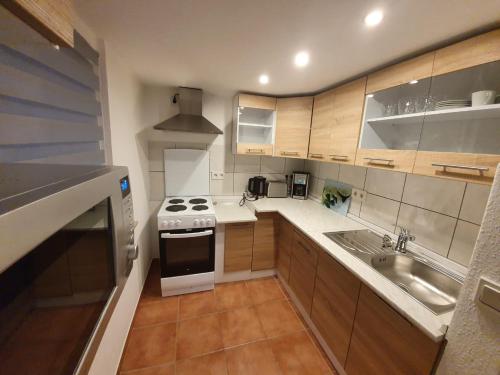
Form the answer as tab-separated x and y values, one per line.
276	189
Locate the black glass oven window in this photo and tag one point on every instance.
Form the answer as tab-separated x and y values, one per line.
52	298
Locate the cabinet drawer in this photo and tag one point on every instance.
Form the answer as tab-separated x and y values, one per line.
381	340
254	149
394	160
305	250
302	277
264	241
238	244
465	167
256	101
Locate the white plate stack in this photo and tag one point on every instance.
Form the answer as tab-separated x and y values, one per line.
452	103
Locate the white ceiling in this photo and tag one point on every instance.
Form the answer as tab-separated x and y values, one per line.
222	46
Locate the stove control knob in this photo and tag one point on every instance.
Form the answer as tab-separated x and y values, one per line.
202	221
209	221
196	222
178	222
171	223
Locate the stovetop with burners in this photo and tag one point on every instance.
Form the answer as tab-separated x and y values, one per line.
186	212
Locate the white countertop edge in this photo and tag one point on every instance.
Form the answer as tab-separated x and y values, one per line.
434	326
231	213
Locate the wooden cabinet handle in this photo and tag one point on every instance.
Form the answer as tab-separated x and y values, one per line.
289	153
480	169
380	161
316	156
255	151
339	157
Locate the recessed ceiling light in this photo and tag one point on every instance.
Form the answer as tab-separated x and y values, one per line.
374	18
413	81
301	59
264	79
56	47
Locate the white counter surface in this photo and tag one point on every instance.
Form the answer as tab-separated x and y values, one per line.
228	210
314	219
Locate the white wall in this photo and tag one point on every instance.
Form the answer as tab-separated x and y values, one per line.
445	215
473	335
129	149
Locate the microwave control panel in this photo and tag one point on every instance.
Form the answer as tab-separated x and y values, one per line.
128	217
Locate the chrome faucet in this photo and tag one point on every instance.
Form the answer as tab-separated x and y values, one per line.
403	238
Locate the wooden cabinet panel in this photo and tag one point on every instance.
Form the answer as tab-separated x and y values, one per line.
254	149
238	245
334	304
294	112
348	112
319	143
383	342
404	72
264	241
292	142
425	160
285	242
293	121
51	18
323	110
394	160
256	101
303	270
473	51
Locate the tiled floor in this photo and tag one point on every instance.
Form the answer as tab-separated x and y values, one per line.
241	328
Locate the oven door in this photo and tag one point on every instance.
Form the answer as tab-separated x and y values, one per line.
187	251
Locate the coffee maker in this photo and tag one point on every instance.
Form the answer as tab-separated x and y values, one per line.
300	185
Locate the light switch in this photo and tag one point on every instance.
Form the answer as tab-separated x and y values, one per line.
488	293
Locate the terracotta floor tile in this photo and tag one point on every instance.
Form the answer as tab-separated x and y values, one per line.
322	352
231	296
210	364
262	290
157	370
297	355
252	359
283	289
278	318
164	311
152	286
240	326
150	346
196	304
198	336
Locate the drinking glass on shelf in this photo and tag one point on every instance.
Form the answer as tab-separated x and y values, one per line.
390	110
420	104
405	106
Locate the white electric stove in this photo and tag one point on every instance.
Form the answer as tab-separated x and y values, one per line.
186	224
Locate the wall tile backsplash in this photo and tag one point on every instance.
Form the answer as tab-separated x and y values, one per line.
444	215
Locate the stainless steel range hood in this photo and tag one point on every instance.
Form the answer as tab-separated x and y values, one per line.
190	118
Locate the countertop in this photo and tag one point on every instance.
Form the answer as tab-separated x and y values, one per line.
228	210
313	220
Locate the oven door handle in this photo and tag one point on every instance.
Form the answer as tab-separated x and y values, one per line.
187	235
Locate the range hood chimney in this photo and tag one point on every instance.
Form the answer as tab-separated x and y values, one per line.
190	118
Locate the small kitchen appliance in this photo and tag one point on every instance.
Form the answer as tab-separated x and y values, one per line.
186	224
276	189
300	185
257	186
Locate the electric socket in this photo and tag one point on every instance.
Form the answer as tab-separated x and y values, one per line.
217	175
358	195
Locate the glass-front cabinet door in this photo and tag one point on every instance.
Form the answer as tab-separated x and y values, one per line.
460	136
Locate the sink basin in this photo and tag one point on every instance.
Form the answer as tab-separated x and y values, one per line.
427	282
432	287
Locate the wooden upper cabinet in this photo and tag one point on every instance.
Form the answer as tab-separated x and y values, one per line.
51	18
384	343
256	101
293	123
418	68
323	110
478	50
348	112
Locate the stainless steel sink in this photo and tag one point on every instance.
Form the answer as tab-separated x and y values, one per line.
424	280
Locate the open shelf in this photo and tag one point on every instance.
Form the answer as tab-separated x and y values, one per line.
454	114
255	125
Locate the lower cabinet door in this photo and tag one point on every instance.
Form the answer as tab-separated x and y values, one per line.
285	242
385	343
264	241
238	244
302	277
334	305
